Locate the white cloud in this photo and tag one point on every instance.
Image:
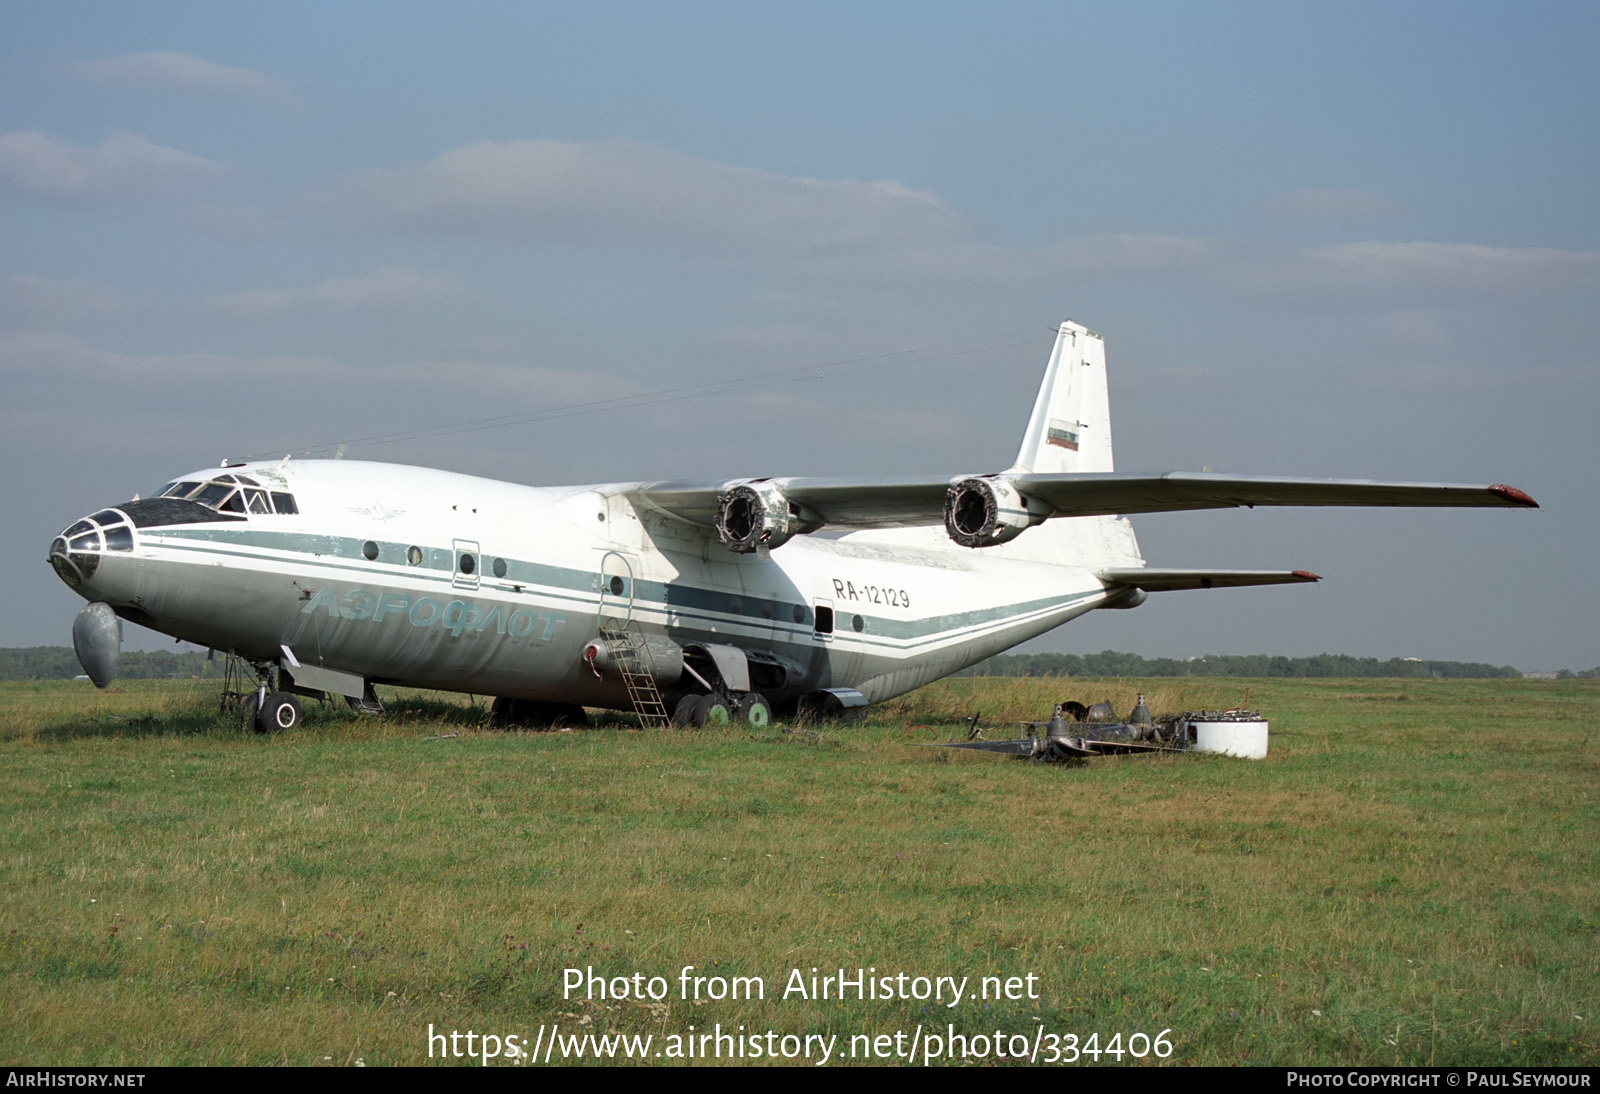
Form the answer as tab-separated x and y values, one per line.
183	402
122	165
620	191
383	288
1450	265
29	301
182	72
1335	205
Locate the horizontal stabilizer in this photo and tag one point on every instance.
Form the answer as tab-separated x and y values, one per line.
1162	581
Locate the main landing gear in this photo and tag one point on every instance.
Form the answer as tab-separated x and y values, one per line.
711	710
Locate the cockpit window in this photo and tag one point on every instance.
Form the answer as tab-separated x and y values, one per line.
229	493
213	494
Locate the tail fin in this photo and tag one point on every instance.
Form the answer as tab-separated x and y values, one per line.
1070	431
1071	425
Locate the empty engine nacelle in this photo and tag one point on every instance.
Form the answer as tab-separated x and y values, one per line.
754	515
981	512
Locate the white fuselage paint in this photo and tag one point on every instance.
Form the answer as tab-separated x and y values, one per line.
548	563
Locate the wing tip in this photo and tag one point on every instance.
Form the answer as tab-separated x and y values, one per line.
1307	575
1513	496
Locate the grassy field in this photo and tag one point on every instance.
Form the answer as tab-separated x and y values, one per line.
1410	878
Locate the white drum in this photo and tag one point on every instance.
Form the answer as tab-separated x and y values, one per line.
1247	738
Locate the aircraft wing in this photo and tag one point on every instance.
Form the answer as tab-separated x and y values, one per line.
903	503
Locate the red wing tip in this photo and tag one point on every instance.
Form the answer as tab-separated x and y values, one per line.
1307	575
1513	495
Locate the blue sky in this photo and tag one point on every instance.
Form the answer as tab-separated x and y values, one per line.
1357	240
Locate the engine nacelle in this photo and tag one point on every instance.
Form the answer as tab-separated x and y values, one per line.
754	515
981	512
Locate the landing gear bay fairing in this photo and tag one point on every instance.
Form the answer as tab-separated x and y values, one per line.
691	602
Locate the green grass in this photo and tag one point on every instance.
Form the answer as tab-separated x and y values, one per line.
1409	878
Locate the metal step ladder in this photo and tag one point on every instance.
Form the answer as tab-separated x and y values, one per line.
636	667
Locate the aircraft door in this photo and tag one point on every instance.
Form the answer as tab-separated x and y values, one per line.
616	590
821	619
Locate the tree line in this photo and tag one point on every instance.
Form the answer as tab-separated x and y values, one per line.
1112	663
61	663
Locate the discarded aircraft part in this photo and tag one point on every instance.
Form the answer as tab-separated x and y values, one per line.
1102	711
97	637
753	515
662	658
1230	732
278	711
1073	711
981	512
1141	713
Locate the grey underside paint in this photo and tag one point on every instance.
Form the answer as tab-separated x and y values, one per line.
522	638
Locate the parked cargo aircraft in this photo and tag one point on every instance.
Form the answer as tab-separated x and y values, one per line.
708	599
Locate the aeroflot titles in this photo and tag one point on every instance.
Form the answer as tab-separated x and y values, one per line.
456	616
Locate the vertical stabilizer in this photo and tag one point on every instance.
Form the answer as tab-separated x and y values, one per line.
1070	431
1071	425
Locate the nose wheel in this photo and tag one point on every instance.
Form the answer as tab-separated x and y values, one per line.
277	712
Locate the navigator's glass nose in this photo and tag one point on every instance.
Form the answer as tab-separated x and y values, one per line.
75	554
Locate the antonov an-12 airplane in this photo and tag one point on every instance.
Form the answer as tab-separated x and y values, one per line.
705	600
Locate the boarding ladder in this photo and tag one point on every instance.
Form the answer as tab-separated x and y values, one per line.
631	655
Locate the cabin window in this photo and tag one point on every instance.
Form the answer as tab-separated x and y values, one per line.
369	551
414	555
616	586
119	538
824	620
499	567
234	504
256	501
858	624
284	503
466	564
799	613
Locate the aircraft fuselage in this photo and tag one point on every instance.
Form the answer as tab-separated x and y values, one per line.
432	579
